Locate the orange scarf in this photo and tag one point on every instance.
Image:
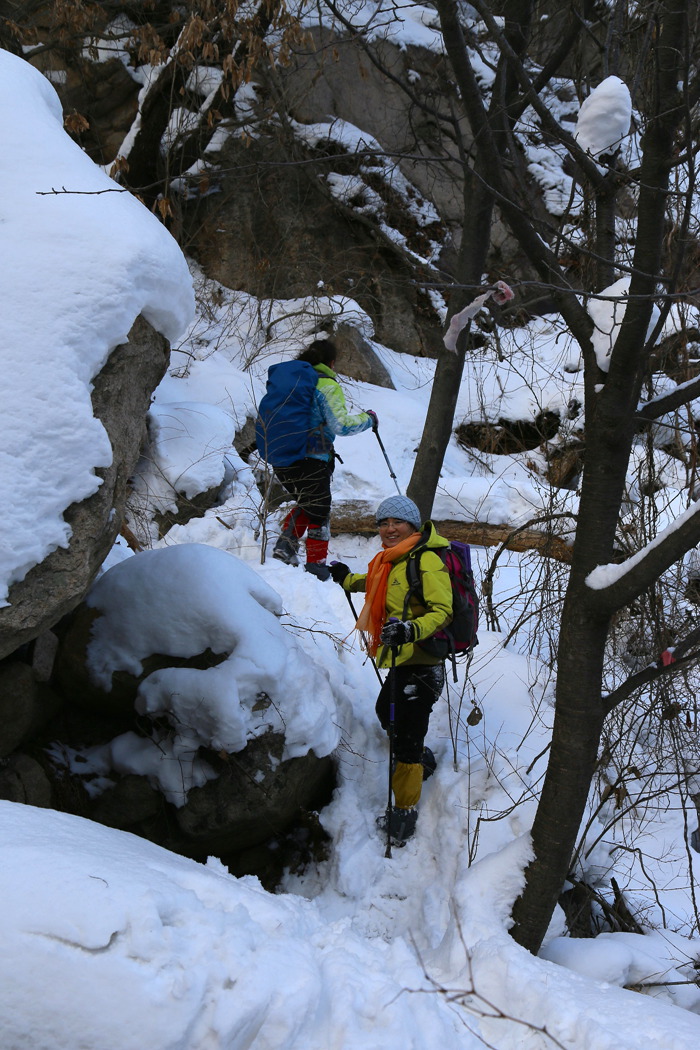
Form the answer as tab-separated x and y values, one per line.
373	613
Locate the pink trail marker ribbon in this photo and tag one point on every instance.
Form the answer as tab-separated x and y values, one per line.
500	293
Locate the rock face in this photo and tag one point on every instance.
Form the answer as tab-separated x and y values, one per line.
508	437
25	704
22	779
187	508
120	400
351	87
255	798
357	359
257	235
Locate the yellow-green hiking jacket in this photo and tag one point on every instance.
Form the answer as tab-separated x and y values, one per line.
437	592
330	417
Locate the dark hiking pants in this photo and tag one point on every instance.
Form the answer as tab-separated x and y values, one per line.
417	689
309	482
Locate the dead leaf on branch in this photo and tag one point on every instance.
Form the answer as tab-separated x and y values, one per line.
75	123
120	164
164	208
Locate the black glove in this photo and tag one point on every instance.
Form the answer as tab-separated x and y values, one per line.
397	632
339	571
374	417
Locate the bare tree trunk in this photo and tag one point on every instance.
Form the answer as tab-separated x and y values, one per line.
610	415
439	419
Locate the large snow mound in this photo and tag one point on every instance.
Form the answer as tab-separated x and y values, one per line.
78	269
112	943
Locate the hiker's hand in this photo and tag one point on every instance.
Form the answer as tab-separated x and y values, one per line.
374	417
339	570
397	632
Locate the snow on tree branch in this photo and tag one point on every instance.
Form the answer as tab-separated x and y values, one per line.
624	582
604	119
608	312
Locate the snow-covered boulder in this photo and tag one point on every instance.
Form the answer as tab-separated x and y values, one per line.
218	708
94	289
183	463
120	398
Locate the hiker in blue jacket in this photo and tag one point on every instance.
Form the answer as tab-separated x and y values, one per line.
309	479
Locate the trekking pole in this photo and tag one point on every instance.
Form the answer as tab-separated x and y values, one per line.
454	729
392	713
391	469
364	636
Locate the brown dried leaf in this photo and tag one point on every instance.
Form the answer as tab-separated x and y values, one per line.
163	206
119	164
75	123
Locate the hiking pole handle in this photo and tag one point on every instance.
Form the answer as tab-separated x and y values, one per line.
391	469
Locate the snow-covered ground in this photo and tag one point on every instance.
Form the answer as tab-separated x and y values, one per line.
111	943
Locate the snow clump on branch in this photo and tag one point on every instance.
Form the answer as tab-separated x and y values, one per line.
608	311
605	117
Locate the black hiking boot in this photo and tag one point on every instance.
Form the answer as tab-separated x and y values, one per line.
319	569
286	549
402	824
429	763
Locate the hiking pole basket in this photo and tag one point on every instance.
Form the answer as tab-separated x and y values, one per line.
392	714
391	469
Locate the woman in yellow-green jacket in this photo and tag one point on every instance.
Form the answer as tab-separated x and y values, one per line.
391	618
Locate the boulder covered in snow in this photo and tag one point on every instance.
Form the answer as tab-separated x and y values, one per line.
183	464
94	291
197	719
120	398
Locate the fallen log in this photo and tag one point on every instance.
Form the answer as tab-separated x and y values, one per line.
358	519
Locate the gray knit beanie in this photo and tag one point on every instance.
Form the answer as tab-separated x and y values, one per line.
400	507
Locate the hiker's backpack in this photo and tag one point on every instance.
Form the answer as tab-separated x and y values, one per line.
459	637
284	414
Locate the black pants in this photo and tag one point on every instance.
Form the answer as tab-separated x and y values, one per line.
309	482
416	690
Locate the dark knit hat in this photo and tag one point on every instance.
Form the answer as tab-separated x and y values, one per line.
400	507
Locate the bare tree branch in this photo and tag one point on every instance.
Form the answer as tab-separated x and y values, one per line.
684	653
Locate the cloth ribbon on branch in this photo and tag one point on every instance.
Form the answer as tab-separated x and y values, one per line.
500	293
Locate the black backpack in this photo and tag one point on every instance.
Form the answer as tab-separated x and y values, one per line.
459	637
